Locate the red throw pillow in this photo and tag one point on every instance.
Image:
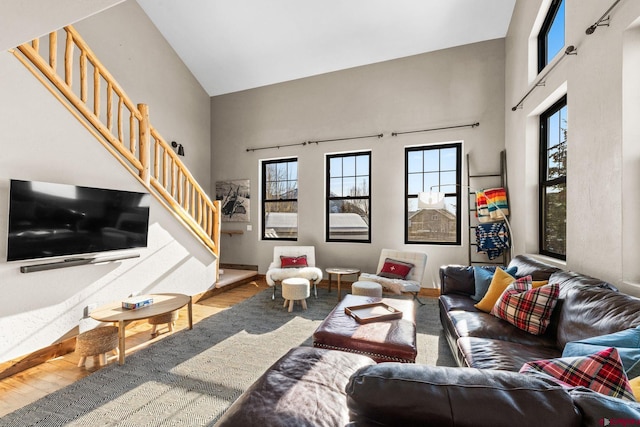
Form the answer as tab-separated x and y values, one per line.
526	308
601	371
394	269
293	261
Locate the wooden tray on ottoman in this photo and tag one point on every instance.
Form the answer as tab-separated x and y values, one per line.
374	312
391	340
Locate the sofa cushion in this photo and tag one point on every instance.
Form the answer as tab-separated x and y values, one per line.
627	342
483	353
452	302
590	311
304	388
393	394
499	283
601	372
484	325
526	308
482	278
529	266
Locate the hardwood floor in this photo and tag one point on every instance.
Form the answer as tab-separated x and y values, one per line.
28	386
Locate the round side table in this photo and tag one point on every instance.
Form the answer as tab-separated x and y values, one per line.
340	271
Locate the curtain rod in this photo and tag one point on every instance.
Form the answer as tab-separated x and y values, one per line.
472	125
604	18
570	50
378	135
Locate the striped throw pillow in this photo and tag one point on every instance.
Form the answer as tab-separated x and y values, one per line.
526	308
601	372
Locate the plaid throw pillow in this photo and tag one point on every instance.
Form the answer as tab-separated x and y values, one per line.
526	308
395	269
293	261
601	372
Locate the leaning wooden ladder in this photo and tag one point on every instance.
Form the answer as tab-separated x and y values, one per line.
98	102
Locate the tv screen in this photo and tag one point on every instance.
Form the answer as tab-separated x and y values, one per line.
49	220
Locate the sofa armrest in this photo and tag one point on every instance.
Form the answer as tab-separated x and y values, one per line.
457	279
392	394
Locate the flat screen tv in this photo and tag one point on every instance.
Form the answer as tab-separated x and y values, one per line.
51	220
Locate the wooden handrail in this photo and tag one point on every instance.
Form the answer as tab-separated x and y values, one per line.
145	154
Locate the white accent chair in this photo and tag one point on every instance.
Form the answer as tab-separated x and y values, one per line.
413	281
275	272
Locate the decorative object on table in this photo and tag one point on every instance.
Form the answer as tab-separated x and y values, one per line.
278	272
412	283
235	197
137	302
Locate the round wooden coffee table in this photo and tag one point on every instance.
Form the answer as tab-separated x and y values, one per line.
341	271
162	304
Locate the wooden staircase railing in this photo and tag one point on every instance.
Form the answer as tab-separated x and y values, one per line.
102	106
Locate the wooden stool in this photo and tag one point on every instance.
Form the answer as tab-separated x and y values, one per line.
370	289
168	318
95	342
295	289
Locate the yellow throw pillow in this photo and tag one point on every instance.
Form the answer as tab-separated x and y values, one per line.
538	283
498	284
635	387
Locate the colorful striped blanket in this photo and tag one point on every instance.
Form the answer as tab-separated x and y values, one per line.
491	204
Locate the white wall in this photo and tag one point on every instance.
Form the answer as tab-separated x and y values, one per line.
603	158
40	140
450	87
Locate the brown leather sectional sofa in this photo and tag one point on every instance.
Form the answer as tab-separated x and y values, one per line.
318	387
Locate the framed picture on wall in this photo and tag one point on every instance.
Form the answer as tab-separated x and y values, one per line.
235	199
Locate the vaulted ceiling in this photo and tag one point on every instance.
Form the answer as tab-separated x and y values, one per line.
233	45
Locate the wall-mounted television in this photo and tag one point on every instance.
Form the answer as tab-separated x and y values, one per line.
52	220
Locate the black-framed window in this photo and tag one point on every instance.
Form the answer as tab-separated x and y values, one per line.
348	204
280	199
436	169
551	35
553	180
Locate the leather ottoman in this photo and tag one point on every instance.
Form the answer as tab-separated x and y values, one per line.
383	341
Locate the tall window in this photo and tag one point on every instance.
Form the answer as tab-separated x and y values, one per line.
280	199
551	36
348	197
553	180
437	169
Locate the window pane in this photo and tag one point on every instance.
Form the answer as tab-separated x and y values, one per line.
336	187
555	36
433	225
281	220
362	186
349	185
348	220
362	165
431	160
448	181
553	130
292	168
414	161
349	166
555	218
335	166
448	159
414	183
431	182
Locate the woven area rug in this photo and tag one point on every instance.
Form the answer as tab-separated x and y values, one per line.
191	377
